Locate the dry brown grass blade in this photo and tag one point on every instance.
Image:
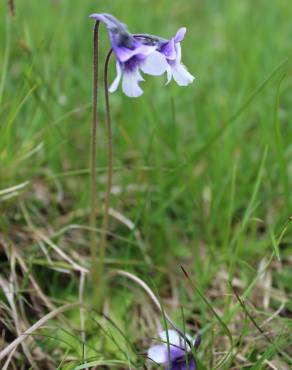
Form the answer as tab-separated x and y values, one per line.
40	236
150	293
7	363
34	283
8	290
12	191
21	338
8	246
17	311
118	216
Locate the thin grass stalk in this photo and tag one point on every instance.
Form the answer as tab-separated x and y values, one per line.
93	153
105	221
184	338
152	296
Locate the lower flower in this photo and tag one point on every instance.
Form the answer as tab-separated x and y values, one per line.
174	353
153	64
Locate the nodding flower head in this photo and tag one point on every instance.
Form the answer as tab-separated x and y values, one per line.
172	52
178	351
150	54
132	56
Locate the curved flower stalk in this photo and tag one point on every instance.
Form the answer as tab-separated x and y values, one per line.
93	150
175	353
135	54
132	56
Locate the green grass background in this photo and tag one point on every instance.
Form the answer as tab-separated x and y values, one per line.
211	163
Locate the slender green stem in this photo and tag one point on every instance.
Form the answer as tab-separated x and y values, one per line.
105	222
93	151
280	148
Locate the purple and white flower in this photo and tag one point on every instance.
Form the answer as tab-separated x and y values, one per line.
178	351
132	56
172	52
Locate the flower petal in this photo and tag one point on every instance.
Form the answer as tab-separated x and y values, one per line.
117	80
197	341
180	34
103	18
190	366
168	50
174	366
124	44
176	353
130	83
176	340
124	54
173	337
158	354
168	74
178	52
181	75
154	64
111	22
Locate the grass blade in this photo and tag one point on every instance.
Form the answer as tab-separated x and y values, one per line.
248	101
221	322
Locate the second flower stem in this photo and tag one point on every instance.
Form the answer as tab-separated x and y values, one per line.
105	222
93	185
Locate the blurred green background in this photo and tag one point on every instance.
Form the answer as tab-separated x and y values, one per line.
198	194
231	48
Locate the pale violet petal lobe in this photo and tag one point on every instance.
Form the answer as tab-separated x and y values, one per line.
130	83
145	49
180	34
117	80
168	75
158	354
173	337
102	18
124	54
154	64
169	50
178	52
181	75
